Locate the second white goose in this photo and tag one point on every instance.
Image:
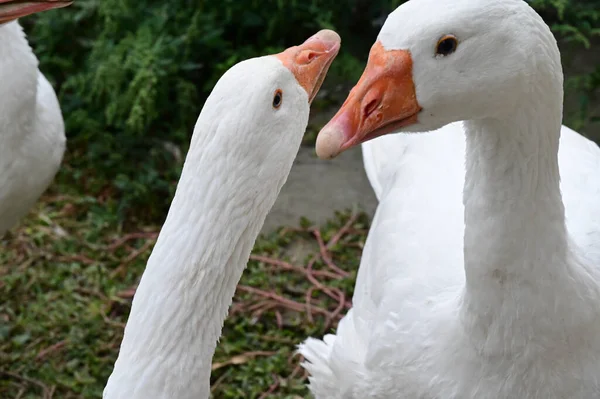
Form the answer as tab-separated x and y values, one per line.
501	300
32	131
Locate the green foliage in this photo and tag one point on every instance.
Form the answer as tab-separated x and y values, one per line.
67	279
573	20
577	24
132	74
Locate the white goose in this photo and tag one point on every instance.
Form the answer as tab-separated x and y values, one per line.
32	132
241	152
487	290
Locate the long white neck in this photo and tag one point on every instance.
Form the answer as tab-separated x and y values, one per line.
514	214
523	279
183	297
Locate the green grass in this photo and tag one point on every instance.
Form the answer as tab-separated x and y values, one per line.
67	278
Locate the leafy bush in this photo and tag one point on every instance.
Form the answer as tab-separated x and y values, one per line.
132	74
574	20
576	24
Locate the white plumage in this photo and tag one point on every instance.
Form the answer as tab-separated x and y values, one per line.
475	281
32	133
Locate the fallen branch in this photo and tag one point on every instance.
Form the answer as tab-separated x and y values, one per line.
287	266
326	257
132	236
345	229
131	257
240	359
46	392
271	389
52	348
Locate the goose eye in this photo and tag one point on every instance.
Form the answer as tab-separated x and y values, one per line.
446	45
277	99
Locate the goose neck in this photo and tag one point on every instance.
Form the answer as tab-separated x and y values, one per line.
516	247
514	214
185	292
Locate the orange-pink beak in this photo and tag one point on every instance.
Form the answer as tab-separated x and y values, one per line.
13	9
310	61
383	100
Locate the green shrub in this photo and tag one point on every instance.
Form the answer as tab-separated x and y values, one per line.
132	74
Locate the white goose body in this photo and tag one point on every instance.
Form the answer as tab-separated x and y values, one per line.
241	152
475	281
32	132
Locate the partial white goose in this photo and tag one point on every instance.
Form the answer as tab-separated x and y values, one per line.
241	152
32	131
498	297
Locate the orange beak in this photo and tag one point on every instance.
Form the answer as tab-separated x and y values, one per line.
383	100
310	61
13	9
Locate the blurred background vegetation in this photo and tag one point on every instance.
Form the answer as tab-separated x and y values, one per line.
132	76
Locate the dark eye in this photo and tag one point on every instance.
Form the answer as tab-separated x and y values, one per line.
277	98
446	45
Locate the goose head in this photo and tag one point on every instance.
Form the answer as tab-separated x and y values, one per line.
440	61
14	9
258	111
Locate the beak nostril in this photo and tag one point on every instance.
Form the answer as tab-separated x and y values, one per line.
306	57
370	107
